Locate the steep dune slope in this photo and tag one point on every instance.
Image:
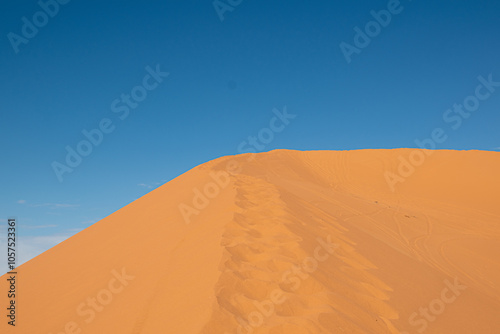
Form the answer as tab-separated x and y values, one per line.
284	242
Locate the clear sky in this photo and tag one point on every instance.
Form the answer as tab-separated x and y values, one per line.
228	69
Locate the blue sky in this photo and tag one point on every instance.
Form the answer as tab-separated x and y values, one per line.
225	79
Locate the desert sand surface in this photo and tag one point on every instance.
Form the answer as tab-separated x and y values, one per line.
283	242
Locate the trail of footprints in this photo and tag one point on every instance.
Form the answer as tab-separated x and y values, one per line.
264	241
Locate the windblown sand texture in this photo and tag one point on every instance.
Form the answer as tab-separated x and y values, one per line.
395	252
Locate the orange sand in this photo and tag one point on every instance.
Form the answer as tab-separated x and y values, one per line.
257	258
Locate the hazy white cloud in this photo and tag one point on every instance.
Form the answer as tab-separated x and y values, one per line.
56	205
34	227
89	222
49	205
149	186
75	229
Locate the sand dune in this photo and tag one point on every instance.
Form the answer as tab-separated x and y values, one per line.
287	242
